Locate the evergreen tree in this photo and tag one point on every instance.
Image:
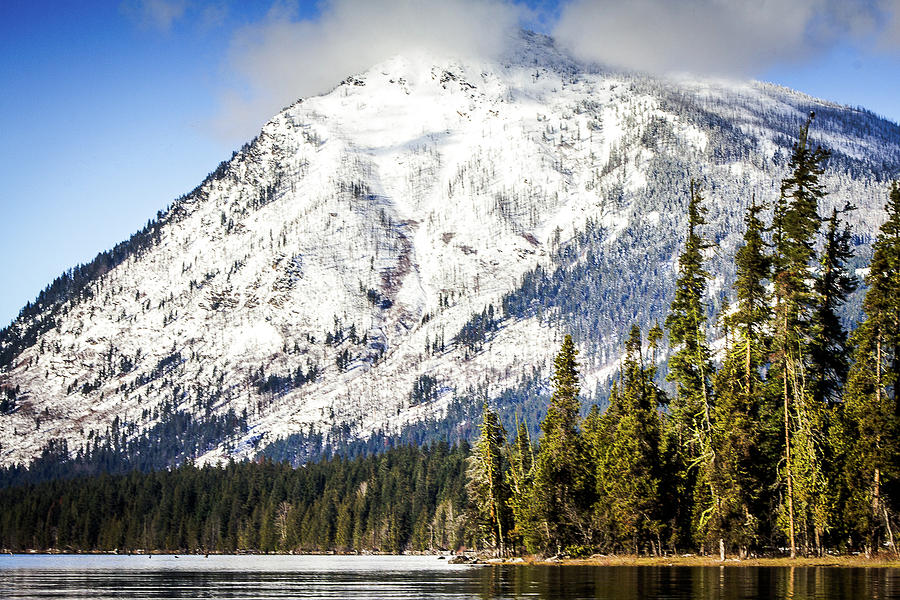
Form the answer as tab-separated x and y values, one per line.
488	491
796	224
829	354
597	437
560	470
627	446
871	405
753	309
740	472
690	367
521	483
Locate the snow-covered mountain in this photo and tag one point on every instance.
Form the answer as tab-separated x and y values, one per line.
426	231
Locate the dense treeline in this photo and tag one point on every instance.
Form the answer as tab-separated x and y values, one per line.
780	436
177	437
405	499
787	437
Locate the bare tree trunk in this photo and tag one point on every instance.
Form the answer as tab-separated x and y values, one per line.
747	373
500	533
876	490
887	525
876	502
547	533
787	457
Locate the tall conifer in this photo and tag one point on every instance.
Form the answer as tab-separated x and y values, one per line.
829	353
526	521
690	367
871	403
630	502
487	484
561	472
796	224
740	470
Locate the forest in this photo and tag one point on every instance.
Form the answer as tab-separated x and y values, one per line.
780	436
406	498
774	430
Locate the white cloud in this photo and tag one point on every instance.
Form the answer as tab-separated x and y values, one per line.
273	62
734	37
284	58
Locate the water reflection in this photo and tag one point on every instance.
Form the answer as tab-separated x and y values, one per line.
362	578
677	583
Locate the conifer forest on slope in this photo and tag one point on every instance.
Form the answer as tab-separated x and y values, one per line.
781	435
331	285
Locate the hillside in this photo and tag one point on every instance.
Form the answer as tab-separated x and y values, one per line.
385	255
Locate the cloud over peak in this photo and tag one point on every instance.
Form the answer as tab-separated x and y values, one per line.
290	54
284	57
723	37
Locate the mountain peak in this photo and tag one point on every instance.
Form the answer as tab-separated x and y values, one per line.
414	241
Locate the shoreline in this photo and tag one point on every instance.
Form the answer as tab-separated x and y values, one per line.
617	560
885	560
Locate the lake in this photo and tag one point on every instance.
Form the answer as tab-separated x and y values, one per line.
408	577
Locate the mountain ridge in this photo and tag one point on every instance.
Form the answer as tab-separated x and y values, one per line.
322	280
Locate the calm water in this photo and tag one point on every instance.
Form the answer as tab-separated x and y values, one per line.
362	577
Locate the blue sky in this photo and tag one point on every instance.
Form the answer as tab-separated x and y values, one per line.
110	110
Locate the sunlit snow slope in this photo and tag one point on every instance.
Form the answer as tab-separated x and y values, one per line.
317	281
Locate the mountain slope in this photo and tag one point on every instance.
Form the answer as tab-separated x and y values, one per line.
325	278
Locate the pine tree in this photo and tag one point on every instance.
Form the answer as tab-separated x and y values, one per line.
596	433
628	454
561	473
740	470
796	224
690	367
871	404
521	483
829	353
753	310
487	485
